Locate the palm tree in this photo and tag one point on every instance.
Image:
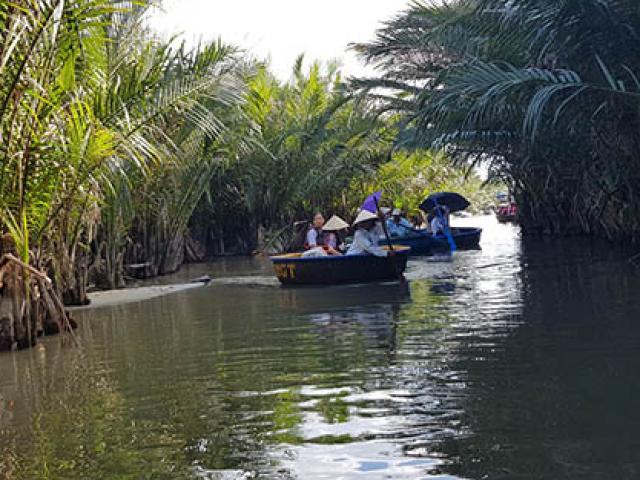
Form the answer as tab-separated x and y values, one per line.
90	104
546	91
310	139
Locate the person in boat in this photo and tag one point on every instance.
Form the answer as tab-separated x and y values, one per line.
440	220
315	235
333	244
384	214
366	237
418	222
397	225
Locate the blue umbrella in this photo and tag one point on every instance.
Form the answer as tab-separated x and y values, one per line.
453	201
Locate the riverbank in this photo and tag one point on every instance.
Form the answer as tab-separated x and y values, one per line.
222	271
107	298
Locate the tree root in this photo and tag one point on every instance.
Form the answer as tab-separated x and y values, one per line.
29	305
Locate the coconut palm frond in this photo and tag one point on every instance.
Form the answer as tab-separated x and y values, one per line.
546	91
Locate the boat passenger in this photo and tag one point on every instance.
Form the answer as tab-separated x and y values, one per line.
418	222
397	225
332	229
365	239
383	215
314	234
440	220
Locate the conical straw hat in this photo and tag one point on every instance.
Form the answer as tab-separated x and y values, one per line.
363	216
335	224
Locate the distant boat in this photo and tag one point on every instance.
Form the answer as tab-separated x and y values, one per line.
454	238
507	213
206	279
424	243
294	269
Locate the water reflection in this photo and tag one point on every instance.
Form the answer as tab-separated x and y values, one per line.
555	398
516	361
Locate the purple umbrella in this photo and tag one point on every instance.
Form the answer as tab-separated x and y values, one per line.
372	202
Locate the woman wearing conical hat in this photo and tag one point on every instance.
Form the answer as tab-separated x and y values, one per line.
331	231
365	240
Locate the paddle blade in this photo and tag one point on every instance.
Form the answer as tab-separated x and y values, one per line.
452	243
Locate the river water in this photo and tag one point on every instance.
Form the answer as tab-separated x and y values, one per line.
517	361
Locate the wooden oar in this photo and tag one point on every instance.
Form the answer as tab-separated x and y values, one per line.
386	234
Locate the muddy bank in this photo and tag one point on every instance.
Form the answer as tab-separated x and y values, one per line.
137	294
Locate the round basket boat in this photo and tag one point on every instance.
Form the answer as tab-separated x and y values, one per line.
294	269
424	243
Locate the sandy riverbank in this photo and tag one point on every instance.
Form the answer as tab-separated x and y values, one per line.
137	294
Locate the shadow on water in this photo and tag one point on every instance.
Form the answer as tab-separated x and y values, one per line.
556	397
516	361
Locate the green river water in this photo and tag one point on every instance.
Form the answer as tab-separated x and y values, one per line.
517	361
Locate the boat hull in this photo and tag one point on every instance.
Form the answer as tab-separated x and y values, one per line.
420	245
292	269
424	243
467	238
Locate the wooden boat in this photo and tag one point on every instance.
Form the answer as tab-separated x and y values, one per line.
507	213
466	238
423	243
294	269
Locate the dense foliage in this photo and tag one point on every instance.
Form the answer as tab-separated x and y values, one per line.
545	91
124	153
409	177
100	125
309	140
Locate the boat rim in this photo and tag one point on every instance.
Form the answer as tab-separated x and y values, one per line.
296	256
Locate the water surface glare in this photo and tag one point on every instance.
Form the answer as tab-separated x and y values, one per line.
517	361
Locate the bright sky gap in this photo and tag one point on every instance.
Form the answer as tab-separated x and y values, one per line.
280	30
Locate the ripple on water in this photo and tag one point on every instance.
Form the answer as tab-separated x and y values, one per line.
514	361
366	459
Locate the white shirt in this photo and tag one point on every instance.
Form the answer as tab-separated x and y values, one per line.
377	233
366	242
312	238
437	226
